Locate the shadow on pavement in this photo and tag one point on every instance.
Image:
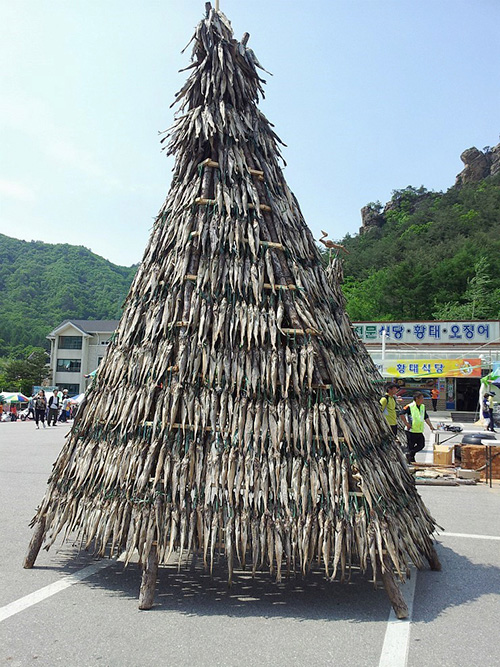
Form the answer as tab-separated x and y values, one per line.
460	582
192	591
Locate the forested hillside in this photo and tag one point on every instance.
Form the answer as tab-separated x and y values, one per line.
435	256
43	284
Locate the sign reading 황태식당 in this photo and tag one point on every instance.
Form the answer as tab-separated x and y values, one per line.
400	368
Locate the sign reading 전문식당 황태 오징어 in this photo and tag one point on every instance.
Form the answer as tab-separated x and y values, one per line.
430	332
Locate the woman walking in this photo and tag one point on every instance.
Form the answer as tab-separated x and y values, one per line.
40	407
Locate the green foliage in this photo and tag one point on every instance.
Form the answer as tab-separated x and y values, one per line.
43	284
22	374
436	256
477	302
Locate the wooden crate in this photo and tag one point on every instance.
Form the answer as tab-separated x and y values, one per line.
443	455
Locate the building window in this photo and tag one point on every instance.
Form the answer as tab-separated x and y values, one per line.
70	343
69	365
72	388
99	359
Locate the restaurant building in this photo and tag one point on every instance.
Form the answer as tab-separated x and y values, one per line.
450	355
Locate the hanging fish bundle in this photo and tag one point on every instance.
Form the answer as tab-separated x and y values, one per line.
235	409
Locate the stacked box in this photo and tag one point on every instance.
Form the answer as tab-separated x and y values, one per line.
474	457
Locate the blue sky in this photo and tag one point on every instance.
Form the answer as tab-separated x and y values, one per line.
369	96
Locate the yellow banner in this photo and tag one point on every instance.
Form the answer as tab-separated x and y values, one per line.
403	368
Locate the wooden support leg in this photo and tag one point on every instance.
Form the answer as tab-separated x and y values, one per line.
434	560
35	544
393	591
148	584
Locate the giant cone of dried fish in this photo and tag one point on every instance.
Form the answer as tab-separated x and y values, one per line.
235	407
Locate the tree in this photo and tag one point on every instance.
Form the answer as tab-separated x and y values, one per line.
22	374
477	298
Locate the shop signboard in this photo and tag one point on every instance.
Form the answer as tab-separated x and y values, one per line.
429	368
429	333
36	388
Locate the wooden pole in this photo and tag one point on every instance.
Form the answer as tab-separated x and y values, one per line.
393	591
433	559
148	583
35	544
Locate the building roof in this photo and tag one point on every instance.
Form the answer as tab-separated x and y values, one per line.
87	326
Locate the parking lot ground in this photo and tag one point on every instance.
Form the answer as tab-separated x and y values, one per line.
197	620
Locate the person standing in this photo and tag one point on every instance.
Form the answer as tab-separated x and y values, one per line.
388	405
65	407
31	408
492	419
414	416
40	408
434	396
488	411
53	406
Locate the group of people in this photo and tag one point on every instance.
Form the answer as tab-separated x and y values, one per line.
56	408
8	415
414	416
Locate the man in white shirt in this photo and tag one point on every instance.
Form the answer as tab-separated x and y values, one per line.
53	405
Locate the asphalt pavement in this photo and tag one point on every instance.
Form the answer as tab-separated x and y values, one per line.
55	614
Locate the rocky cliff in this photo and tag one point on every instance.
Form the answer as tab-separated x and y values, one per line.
478	165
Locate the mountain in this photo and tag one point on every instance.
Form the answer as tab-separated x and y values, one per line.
42	284
430	254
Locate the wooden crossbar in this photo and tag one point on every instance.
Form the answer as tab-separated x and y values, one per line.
283	287
211	163
301	332
201	201
263	244
272	244
263	207
194	278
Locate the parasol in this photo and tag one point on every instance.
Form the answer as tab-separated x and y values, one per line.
13	397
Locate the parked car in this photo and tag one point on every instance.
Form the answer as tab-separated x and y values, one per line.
23	415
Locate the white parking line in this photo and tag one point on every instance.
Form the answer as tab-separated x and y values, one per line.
46	592
469	535
397	635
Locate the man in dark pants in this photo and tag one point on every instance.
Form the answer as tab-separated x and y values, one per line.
388	405
414	415
53	406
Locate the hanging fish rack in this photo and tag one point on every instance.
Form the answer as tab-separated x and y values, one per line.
235	407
